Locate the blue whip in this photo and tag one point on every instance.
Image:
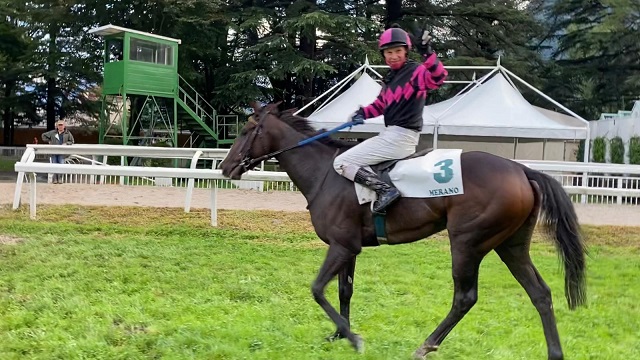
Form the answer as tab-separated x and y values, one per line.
348	124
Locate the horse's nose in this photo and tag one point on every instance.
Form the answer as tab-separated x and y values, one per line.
222	165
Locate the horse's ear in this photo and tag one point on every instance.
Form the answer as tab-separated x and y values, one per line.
276	105
255	105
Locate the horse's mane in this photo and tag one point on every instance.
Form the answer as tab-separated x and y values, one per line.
301	125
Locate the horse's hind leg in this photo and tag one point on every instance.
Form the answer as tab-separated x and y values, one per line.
465	263
515	254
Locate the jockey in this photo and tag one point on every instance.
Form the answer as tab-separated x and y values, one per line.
401	101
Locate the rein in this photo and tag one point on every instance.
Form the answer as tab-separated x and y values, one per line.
248	163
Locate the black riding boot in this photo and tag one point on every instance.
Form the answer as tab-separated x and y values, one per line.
387	194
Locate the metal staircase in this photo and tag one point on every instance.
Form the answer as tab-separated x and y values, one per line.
198	116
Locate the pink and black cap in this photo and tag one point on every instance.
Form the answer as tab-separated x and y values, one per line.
394	37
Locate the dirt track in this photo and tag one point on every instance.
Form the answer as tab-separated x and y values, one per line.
110	195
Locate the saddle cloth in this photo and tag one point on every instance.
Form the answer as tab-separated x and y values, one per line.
436	173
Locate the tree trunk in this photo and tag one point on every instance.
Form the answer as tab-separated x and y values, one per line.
51	78
394	12
51	103
7	117
308	40
308	48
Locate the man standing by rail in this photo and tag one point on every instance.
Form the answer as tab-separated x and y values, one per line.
58	136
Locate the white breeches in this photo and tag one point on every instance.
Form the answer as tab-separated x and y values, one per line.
392	143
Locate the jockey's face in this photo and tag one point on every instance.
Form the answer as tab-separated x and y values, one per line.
395	56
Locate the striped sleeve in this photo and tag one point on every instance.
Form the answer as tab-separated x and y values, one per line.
375	109
435	73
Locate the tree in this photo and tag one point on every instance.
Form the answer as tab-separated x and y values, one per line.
15	51
287	51
467	32
596	47
581	52
67	60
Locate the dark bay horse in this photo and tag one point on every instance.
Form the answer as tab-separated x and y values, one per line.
498	211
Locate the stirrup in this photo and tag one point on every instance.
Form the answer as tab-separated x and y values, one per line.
379	208
374	205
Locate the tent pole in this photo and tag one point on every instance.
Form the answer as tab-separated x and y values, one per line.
545	96
331	89
336	91
515	147
465	94
453	67
587	146
368	67
435	136
511	82
470	83
585	175
473	86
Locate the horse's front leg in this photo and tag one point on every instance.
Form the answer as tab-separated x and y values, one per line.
345	291
337	259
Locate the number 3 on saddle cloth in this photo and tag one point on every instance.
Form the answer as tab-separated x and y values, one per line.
427	173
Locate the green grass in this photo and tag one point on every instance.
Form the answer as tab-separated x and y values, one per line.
147	283
7	164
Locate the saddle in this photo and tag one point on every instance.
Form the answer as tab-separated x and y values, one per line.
382	169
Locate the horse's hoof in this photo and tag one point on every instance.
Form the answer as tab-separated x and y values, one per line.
556	355
358	343
421	353
335	336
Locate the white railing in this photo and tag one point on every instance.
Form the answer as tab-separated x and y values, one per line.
594	182
585	182
27	168
99	154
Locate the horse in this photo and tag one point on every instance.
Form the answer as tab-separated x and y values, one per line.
498	211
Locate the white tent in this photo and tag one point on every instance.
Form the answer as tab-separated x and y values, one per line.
491	107
496	108
363	92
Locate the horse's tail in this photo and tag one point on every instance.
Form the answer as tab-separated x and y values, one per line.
561	224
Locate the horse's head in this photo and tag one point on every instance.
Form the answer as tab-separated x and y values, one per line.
255	140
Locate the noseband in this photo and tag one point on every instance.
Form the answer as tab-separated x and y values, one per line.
247	162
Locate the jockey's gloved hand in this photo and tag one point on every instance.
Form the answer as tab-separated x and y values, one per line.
423	42
358	117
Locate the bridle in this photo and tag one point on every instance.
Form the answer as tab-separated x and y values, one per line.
247	162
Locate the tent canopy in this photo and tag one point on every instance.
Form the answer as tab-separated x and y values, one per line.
363	92
492	108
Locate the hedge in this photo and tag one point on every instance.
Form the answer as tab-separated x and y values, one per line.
616	150
634	150
599	149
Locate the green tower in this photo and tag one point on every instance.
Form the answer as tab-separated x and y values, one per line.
145	100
